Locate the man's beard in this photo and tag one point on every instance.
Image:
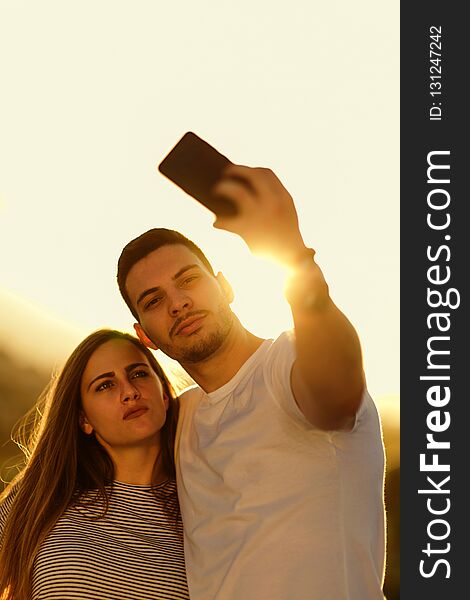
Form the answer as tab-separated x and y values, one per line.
201	349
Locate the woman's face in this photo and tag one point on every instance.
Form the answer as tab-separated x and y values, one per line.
122	397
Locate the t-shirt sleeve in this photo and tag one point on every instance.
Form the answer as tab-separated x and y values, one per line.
277	373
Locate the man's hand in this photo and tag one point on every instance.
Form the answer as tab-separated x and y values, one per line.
266	220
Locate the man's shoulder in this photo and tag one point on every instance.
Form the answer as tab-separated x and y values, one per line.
280	351
188	400
284	339
189	394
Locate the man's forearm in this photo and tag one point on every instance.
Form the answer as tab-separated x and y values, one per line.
327	379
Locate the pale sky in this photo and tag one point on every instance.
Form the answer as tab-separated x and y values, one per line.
95	93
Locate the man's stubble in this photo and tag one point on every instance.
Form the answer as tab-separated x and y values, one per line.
204	347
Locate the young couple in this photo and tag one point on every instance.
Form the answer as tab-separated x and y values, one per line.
276	453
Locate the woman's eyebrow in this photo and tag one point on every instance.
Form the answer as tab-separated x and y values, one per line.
102	376
129	368
132	366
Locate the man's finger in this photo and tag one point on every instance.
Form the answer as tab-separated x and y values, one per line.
235	191
225	223
260	179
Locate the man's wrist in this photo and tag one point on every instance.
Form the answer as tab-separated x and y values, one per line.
302	259
306	288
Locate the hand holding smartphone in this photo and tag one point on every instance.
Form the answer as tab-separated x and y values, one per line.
195	166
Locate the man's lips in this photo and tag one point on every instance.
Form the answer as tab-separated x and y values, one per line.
133	413
190	324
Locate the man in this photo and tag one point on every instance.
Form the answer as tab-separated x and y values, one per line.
280	459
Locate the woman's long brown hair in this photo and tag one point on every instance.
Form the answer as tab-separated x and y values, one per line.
62	463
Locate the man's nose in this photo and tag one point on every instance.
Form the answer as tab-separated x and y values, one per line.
179	302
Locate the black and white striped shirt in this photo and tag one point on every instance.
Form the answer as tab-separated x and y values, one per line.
135	552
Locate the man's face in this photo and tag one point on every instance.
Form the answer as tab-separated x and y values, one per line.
182	308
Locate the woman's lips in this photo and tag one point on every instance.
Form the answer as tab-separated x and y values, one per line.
134	413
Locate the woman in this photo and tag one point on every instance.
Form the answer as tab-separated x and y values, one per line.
94	514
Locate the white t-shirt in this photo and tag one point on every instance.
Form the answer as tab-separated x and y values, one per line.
273	508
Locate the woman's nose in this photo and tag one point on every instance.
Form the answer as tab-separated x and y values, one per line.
130	393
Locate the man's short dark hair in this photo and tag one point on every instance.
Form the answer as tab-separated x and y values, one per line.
143	245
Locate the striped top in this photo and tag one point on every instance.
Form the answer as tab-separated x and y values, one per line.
135	552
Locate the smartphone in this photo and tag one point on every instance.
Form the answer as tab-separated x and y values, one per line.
195	166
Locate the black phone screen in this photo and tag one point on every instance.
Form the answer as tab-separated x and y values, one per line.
195	166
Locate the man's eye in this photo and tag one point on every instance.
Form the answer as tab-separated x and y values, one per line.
153	301
104	386
189	279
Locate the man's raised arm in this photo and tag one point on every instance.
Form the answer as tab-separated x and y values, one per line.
327	377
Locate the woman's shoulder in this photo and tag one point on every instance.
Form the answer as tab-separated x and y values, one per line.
7	498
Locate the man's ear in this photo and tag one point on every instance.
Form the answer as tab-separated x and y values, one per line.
85	425
226	287
143	337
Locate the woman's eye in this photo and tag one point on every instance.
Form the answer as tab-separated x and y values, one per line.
104	385
141	373
189	279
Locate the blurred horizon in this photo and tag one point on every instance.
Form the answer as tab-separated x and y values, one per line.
50	341
28	325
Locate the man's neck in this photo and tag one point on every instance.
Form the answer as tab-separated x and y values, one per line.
218	369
